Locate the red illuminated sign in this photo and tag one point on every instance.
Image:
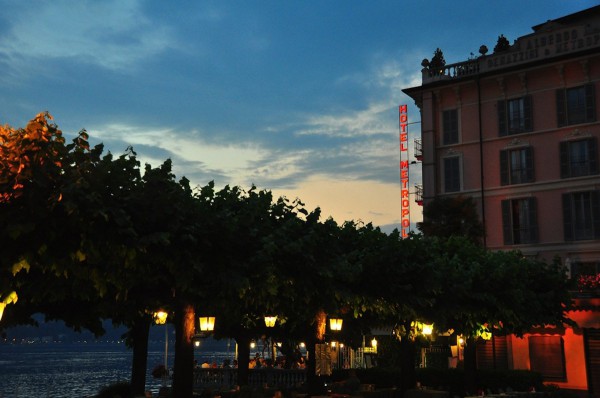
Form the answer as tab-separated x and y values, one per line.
404	194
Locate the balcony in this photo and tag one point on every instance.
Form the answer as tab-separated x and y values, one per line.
451	71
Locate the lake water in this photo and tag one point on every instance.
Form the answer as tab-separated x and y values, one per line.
80	369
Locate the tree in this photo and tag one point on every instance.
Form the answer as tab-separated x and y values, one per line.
446	216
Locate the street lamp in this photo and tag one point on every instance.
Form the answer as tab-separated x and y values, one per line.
335	324
270	321
207	323
160	318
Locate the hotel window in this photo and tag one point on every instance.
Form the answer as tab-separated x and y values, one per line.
578	158
581	215
452	174
516	166
576	105
514	116
547	356
450	127
519	221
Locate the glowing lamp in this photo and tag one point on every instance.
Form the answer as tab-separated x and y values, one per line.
302	345
207	323
335	324
270	321
160	317
2	305
374	343
252	344
427	329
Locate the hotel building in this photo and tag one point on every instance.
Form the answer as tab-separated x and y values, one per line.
518	130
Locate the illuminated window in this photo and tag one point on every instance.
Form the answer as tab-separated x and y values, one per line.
452	174
576	105
581	215
578	158
546	356
519	221
516	166
514	116
450	126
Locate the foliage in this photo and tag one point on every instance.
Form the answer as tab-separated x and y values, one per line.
446	216
588	282
502	44
438	61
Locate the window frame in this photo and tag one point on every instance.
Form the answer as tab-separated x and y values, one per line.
524	231
450	127
572	205
567	169
551	367
565	113
508	175
506	118
456	178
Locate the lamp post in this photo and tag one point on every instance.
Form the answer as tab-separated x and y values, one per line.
160	318
270	321
335	324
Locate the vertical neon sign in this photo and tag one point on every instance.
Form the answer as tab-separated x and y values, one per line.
404	194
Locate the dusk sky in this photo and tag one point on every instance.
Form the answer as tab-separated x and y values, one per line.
297	97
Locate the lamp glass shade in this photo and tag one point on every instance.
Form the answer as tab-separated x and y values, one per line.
374	343
335	324
207	323
270	321
160	317
427	329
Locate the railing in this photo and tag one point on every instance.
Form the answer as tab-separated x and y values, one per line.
227	378
450	71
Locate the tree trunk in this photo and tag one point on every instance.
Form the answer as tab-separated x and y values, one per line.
408	374
470	366
243	343
139	337
183	376
315	386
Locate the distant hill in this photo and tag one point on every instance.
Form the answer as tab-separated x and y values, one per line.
57	331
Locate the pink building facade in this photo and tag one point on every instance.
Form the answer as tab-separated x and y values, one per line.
518	130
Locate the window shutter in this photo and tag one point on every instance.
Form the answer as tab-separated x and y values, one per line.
560	108
502	127
590	103
564	160
507	222
567	217
593	155
529	171
533	233
547	356
595	199
504	168
528	119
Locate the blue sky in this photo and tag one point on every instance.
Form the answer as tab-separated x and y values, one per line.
297	97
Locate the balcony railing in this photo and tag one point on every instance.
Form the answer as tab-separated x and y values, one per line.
450	71
225	378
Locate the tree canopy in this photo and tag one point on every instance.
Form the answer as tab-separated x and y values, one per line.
90	236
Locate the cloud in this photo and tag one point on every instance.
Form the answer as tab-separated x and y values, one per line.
112	34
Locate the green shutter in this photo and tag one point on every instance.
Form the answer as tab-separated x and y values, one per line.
564	159
504	168
533	233
507	222
528	119
595	200
567	217
593	155
561	115
502	125
590	103
529	170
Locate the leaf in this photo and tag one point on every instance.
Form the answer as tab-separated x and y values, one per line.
17	267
